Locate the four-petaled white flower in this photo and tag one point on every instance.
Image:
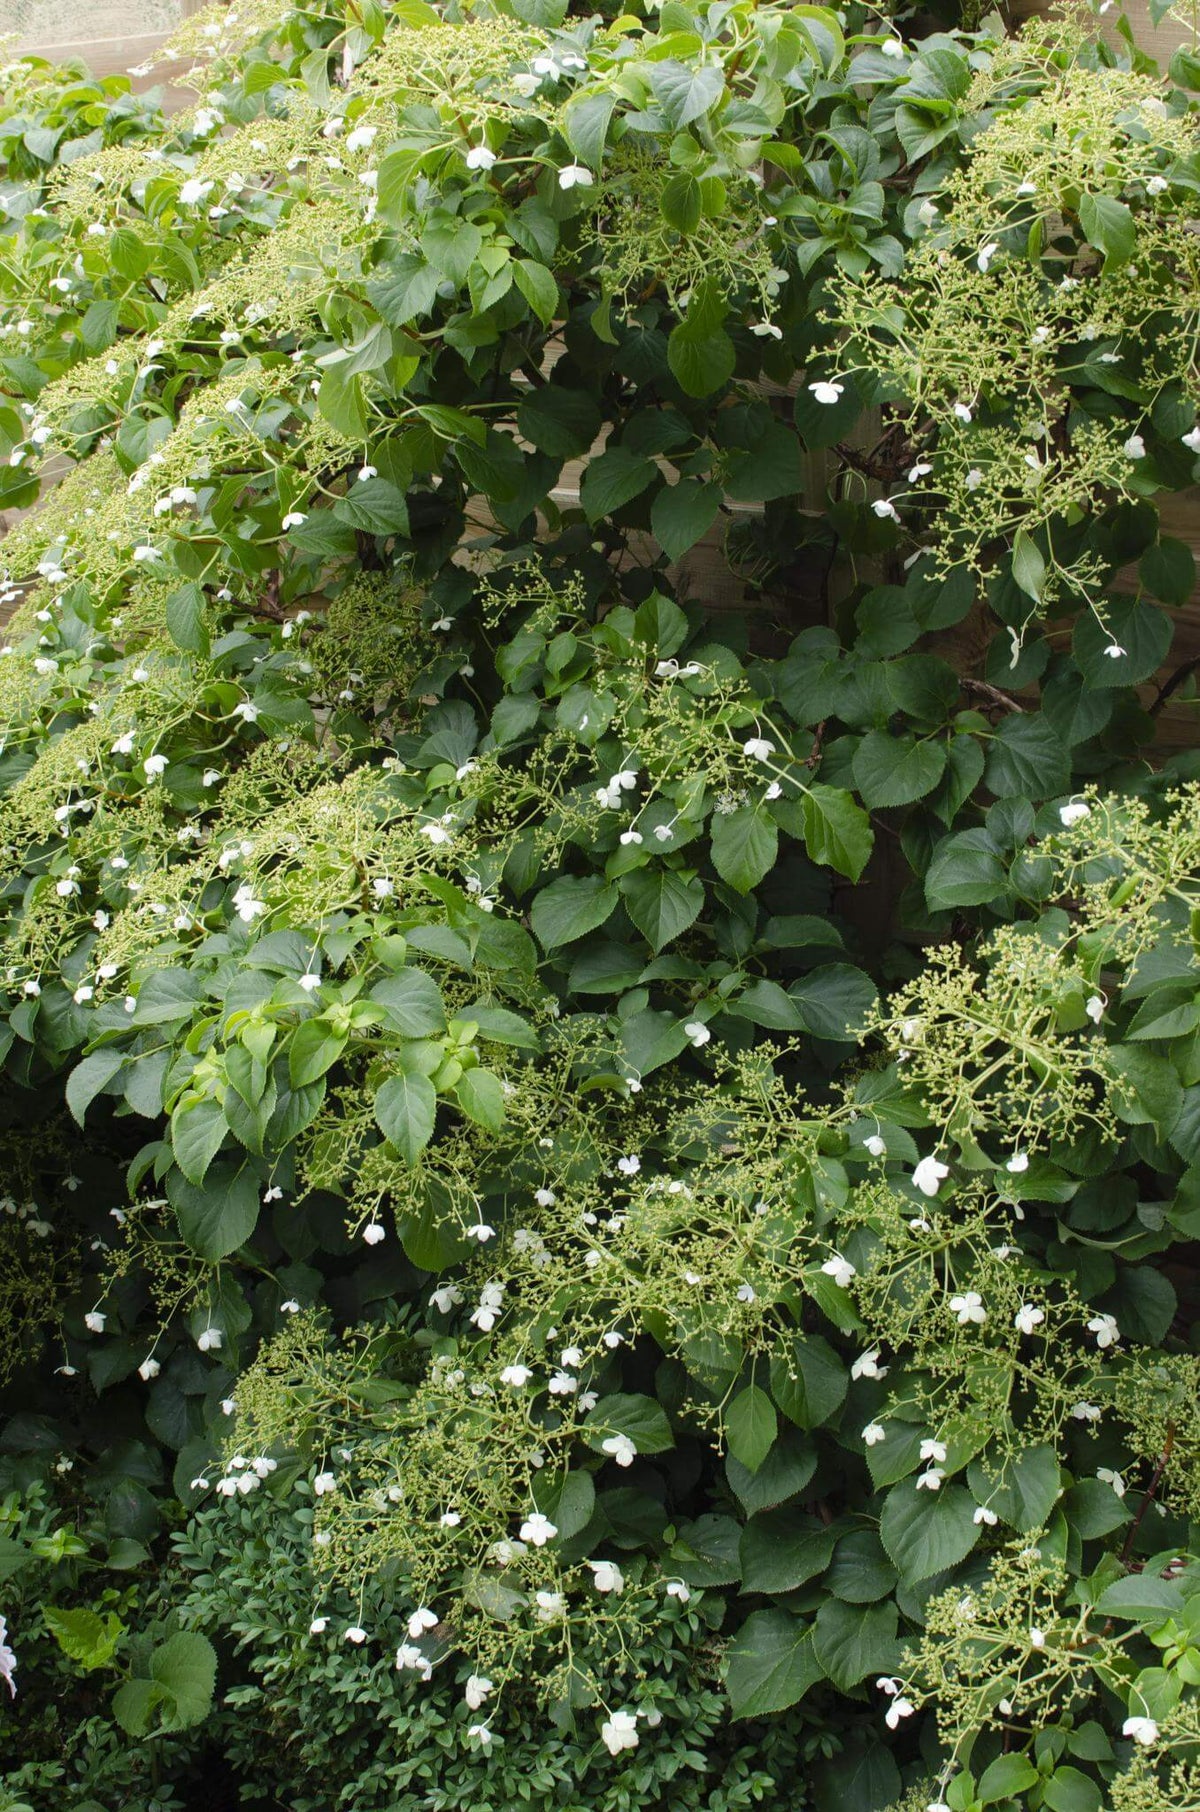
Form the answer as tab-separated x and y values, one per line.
885	510
293	519
896	1711
984	1515
1018	1164
94	1321
538	1529
8	1660
517	1376
867	1365
929	1174
1135	447
629	1166
875	1145
1073	813
575	176
476	1690
840	1269
1105	1328
324	1482
697	1032
766	330
356	1634
986	254
1142	1730
408	1656
1086	1412
621	1449
1028	1318
607	1576
1094	1008
373	1233
968	1307
1107	1476
677	1589
210	1340
421	1620
827	391
758	748
362	138
873	1433
619	1731
1191	439
932	1449
479	157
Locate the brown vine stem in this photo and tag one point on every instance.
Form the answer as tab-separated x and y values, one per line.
1173	683
1151	1488
980	689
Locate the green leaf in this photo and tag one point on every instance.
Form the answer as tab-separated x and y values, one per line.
1005	1777
585	125
769	1665
745	843
966	870
614	479
809	1381
1110	227
1023	1490
197	1134
412	1003
185	1667
834	1001
683	92
927	1532
1026	760
852	1640
219	1215
783	1549
1028	566
1140	630
571	907
1068	1790
639	1418
837	831
539	288
89	1078
559	421
895	770
680	203
83	1635
785	1471
682	514
480	1094
700	362
751	1427
405	1110
661	903
1141	1598
187	619
315	1047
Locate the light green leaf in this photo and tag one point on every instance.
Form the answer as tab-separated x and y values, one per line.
751	1427
745	843
405	1110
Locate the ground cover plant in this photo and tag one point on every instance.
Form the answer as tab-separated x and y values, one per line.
601	1188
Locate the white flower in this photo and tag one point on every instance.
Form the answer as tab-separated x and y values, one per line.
420	1621
1028	1318
293	519
932	1449
697	1032
766	330
1109	1477
677	1589
545	1198
324	1483
575	176
480	158
986	254
887	1683
476	1690
538	1529
149	1368
984	1515
482	1232
826	391
968	1307
898	1709
409	1656
246	906
962	413
446	1297
629	1166
1018	1164
875	1146
153	766
927	213
928	1174
449	1519
355	1634
1086	1412
1105	1328
373	1233
210	1340
621	1449
516	1375
974	479
758	748
608	1576
1142	1730
194	191
436	833
1115	652
94	1321
840	1269
1134	447
1074	813
562	1384
362	138
873	1433
931	1479
1094	1008
550	1606
867	1365
482	1734
1191	439
619	1732
885	510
